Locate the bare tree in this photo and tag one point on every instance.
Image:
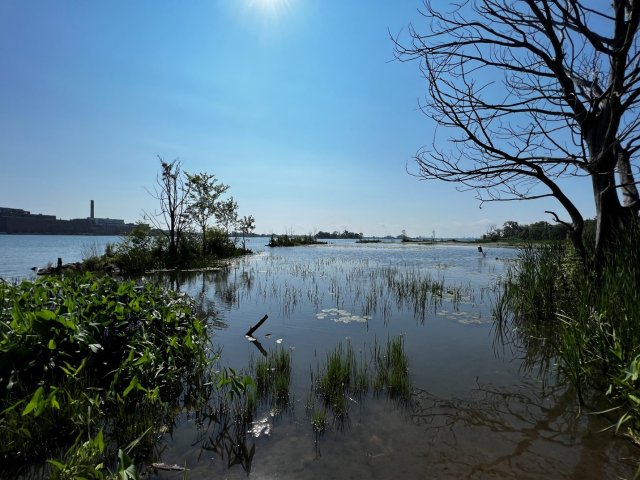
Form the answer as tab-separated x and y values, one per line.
172	192
537	90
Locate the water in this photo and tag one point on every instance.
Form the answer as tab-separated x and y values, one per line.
20	253
475	411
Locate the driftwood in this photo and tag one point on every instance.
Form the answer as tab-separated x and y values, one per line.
256	326
165	466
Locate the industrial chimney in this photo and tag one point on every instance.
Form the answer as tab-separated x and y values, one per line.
92	216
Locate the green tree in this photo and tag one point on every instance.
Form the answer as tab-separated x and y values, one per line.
246	224
227	214
204	192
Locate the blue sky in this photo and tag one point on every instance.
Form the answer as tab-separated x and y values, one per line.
296	104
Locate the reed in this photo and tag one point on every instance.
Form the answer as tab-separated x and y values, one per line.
273	374
590	322
392	369
342	378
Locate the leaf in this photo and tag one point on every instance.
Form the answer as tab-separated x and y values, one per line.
126	468
45	315
52	344
58	465
132	384
100	441
35	402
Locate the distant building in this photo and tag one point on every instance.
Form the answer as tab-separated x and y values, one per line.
18	221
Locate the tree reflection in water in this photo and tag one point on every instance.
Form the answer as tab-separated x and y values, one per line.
526	427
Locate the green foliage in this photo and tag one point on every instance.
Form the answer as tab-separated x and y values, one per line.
219	245
145	250
204	193
78	355
227	214
292	240
336	234
392	368
246	225
589	320
538	231
273	374
345	379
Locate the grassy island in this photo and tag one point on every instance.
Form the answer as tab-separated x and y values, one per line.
293	240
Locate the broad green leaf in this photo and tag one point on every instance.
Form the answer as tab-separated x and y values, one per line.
35	402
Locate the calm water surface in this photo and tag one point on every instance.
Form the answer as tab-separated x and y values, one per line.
20	253
475	411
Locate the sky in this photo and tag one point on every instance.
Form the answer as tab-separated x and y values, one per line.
298	105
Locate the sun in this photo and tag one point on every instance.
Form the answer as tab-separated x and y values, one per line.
272	6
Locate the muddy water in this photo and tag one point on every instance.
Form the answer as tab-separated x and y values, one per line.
477	409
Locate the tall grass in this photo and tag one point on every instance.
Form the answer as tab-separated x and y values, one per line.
392	367
273	375
588	320
342	378
345	379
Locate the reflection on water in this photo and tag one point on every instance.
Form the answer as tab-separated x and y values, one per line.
471	413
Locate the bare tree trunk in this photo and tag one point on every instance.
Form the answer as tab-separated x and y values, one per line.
611	217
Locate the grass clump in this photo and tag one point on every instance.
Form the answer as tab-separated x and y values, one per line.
345	379
273	374
342	378
392	369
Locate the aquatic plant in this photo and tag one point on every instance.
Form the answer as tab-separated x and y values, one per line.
273	374
344	379
588	321
78	356
319	420
392	369
341	378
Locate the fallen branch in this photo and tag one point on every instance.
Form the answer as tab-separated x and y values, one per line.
165	466
256	326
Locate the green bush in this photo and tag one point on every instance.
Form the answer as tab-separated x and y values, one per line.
83	357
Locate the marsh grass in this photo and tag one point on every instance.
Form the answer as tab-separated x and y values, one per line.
392	369
273	375
345	379
590	323
341	378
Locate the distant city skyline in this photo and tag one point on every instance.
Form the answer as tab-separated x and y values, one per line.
297	105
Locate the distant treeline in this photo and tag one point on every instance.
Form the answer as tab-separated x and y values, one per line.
512	230
336	234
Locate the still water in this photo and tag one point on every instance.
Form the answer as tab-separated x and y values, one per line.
20	253
477	410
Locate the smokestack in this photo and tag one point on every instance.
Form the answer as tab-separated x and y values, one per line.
92	210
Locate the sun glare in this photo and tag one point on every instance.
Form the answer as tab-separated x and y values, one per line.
272	6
